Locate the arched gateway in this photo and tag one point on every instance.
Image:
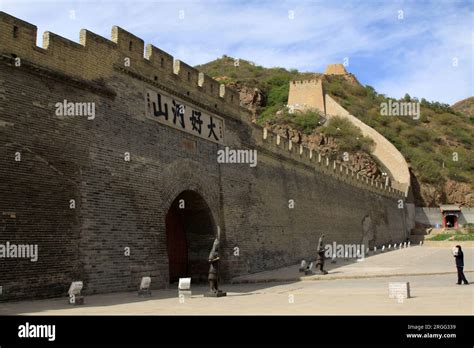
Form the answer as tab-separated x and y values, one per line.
190	232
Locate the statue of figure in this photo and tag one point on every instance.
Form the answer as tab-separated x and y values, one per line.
320	258
214	267
213	278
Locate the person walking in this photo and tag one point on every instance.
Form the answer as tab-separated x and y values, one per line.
459	256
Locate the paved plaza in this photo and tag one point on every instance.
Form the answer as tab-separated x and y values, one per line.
350	288
414	260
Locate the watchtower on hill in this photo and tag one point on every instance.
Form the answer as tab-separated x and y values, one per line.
335	69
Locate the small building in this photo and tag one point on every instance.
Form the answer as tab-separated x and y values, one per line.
451	214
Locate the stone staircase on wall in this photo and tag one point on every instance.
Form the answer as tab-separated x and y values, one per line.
384	150
310	94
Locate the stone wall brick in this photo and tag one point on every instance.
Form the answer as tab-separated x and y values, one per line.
124	204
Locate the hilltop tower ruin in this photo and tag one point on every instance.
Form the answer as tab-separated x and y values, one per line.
310	94
335	69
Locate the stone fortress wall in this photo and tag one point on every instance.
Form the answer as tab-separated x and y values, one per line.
335	69
307	93
311	94
124	204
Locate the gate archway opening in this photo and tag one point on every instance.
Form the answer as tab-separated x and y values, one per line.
190	233
451	221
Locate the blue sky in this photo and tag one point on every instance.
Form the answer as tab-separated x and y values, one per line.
394	46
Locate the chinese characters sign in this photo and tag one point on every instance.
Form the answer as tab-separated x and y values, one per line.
176	114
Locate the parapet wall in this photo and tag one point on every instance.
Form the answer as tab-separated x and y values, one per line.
95	58
384	150
279	145
310	94
307	94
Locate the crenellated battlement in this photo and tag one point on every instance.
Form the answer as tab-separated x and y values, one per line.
307	92
159	59
285	147
128	43
97	58
306	82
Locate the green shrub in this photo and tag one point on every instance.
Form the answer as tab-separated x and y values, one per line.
348	136
269	114
464	237
417	135
304	121
461	134
429	171
426	143
370	92
459	175
278	95
440	237
279	80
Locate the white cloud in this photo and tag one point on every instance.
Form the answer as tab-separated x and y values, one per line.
430	71
413	55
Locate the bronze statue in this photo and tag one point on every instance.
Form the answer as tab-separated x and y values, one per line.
213	278
214	267
321	256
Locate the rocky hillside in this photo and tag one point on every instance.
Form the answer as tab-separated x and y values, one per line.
465	106
438	145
